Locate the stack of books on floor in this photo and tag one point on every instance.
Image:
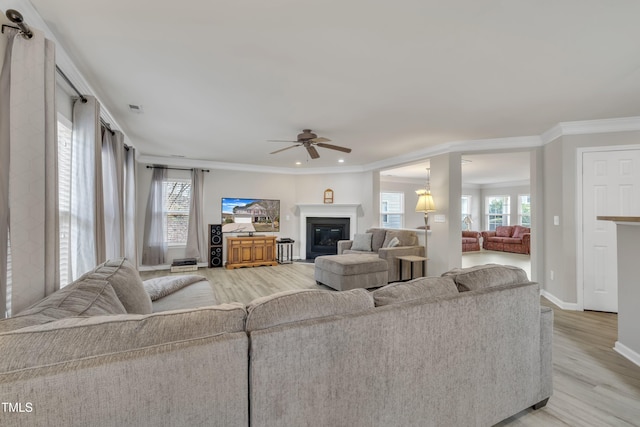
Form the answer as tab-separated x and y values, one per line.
184	264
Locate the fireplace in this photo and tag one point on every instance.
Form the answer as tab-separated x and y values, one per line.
323	234
325	211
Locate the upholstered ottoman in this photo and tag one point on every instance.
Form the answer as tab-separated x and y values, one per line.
350	271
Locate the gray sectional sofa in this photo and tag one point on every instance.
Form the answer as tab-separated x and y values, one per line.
414	353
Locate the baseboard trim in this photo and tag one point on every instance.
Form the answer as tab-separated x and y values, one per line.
557	301
627	352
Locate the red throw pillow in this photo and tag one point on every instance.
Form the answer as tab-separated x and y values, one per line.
519	231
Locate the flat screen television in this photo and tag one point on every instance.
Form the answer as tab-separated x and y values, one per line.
250	215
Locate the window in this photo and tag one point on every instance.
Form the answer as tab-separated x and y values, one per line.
497	210
524	210
465	208
64	197
177	199
391	210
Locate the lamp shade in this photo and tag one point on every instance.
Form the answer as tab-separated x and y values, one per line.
425	201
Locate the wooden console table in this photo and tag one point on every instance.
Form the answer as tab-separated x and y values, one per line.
251	251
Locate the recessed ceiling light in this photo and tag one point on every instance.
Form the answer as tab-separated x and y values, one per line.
341	161
298	163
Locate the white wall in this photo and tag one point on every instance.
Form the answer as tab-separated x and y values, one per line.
412	219
289	189
560	187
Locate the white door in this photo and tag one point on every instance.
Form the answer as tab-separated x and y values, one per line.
610	186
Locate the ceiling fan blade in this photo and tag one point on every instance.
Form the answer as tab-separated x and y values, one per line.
334	147
279	140
285	148
313	153
320	139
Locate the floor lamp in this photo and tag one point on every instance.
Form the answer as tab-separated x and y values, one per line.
425	204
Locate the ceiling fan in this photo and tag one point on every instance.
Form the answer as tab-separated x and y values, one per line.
310	140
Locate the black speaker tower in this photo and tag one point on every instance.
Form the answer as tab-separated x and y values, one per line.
215	245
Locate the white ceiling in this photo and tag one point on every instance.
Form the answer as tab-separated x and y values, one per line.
217	79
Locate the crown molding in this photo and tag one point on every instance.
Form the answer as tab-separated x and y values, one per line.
475	145
585	127
242	167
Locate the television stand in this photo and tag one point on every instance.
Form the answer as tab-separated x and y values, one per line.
251	251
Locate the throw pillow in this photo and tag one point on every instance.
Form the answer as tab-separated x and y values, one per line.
519	231
84	297
393	243
126	281
377	241
362	242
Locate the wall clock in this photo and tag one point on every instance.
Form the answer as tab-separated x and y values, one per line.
328	195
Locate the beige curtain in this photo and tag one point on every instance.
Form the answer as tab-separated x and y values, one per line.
28	180
130	211
87	246
113	190
154	246
196	237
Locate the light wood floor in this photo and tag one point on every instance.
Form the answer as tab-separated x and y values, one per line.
593	385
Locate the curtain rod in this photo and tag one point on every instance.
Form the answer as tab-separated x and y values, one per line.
177	169
16	17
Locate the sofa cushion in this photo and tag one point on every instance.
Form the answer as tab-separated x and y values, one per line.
127	283
423	287
377	239
486	276
519	231
294	306
84	297
406	238
198	294
362	242
504	231
75	337
512	240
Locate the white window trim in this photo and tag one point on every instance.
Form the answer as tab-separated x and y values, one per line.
487	213
384	212
520	208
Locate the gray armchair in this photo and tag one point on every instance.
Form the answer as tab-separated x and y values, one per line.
380	239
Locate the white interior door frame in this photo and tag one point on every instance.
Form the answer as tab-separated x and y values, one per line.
578	213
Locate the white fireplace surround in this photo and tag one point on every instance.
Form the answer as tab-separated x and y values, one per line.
326	211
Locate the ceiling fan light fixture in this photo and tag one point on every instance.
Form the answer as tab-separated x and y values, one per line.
310	141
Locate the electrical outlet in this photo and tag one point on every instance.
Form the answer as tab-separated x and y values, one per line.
551	274
556	220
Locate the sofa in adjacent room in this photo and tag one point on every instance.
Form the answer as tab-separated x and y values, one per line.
388	244
470	348
470	241
508	238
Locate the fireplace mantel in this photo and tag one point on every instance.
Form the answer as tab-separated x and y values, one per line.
342	210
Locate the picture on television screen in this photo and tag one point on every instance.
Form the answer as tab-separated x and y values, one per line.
250	215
